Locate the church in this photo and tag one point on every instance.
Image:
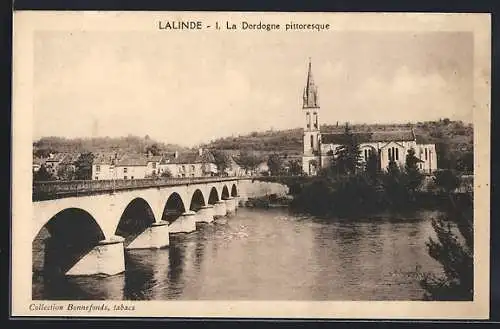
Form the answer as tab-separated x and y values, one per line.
320	147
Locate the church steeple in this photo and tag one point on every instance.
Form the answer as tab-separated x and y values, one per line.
310	98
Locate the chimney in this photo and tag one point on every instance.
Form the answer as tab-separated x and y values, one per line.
200	151
176	154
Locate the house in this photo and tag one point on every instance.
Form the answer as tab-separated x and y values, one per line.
103	166
53	161
37	163
189	164
153	165
235	169
320	147
131	167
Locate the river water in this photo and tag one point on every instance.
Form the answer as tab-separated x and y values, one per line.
271	254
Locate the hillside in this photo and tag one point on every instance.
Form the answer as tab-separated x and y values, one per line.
453	139
129	144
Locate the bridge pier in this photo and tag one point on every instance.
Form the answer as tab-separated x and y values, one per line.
153	237
106	258
230	205
220	209
205	214
186	223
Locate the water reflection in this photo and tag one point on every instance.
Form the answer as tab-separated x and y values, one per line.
271	255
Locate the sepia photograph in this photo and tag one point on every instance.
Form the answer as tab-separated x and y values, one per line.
237	161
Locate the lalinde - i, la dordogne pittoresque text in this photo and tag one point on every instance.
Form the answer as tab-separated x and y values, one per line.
244	25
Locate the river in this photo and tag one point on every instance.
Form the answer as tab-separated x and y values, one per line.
271	254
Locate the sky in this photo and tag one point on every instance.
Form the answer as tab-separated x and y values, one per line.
190	88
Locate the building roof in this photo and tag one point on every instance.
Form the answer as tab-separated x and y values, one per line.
154	158
370	137
105	158
132	160
70	158
58	157
189	158
38	161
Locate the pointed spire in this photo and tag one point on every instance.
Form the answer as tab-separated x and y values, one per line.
310	91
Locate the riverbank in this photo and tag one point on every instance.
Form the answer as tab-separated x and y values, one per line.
269	201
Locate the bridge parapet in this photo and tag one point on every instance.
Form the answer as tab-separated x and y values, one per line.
47	190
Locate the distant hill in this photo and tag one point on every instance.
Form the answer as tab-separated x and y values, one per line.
129	144
455	132
452	138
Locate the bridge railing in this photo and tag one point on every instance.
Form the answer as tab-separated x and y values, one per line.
43	190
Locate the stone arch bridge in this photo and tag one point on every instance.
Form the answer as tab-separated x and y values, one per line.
86	225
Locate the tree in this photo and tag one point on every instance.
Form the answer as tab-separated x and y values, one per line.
373	165
413	175
447	180
249	160
275	164
66	172
348	154
295	167
454	249
84	166
153	149
222	161
43	174
166	174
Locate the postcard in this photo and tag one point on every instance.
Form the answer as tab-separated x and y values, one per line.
251	165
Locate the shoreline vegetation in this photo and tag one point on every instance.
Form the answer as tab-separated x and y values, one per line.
352	188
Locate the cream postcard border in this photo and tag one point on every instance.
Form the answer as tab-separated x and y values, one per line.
25	23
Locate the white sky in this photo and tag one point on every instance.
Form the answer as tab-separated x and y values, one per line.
189	88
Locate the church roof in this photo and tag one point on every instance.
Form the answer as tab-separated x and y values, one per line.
310	91
370	137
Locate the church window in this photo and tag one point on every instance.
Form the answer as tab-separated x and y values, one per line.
397	153
389	154
366	155
312	141
316	120
308	120
425	154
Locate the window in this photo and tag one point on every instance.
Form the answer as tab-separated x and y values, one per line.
389	154
315	120
97	168
397	153
366	155
312	142
183	168
308	120
124	177
131	177
426	154
125	170
154	165
154	172
192	167
96	178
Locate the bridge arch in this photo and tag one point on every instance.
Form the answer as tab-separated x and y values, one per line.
197	200
64	240
136	217
213	196
224	193
174	207
234	191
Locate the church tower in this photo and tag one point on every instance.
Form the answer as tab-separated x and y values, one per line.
311	159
